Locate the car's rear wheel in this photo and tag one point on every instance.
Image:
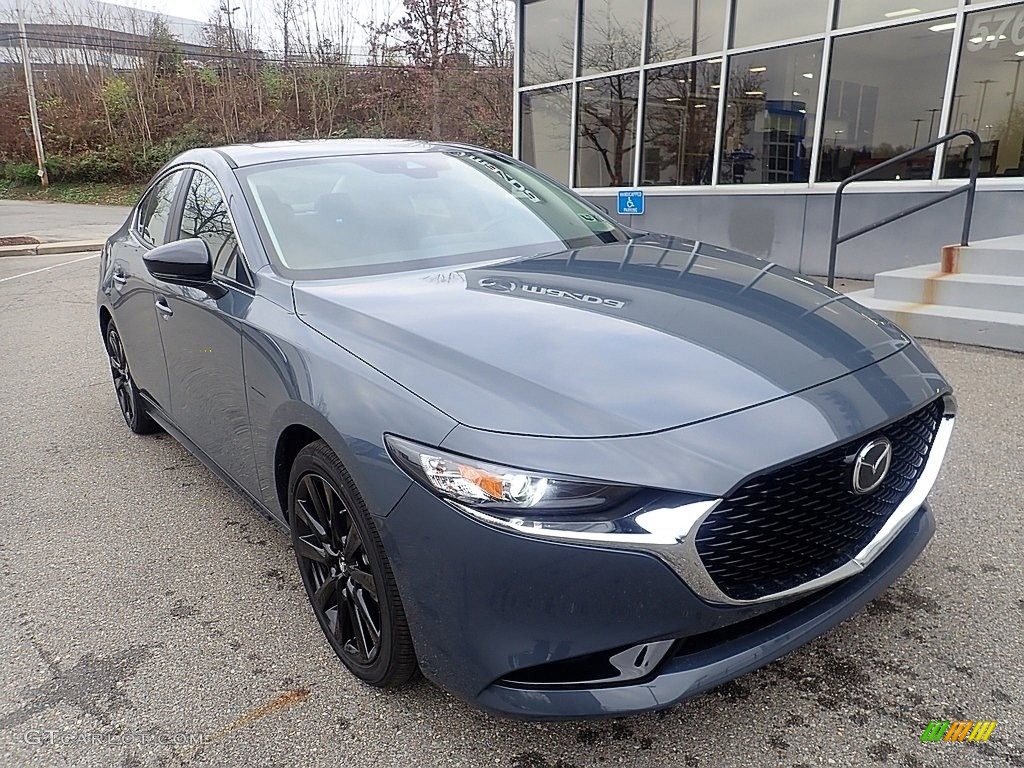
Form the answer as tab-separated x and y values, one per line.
128	399
345	570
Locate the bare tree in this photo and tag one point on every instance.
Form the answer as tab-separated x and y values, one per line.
435	33
284	14
490	32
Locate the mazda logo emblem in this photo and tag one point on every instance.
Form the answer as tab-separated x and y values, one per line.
871	465
498	284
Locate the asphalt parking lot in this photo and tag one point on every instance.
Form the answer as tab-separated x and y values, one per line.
149	617
48	221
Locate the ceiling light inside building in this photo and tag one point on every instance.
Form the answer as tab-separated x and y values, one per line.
755	93
902	12
758	69
674	98
699	106
809	75
943	27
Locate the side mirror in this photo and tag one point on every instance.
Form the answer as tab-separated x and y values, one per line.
181	261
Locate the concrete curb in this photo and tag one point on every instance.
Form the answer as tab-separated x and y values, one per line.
44	249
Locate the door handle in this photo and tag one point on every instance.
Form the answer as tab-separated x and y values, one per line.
120	278
165	310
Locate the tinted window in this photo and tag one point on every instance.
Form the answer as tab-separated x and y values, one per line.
606	131
766	21
884	97
989	95
155	209
611	35
853	13
679	124
770	109
545	130
681	28
369	214
549	39
205	216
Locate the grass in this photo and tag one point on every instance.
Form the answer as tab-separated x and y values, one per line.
95	193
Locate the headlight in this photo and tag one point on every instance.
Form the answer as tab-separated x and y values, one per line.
503	491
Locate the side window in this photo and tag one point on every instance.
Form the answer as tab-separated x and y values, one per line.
205	215
155	209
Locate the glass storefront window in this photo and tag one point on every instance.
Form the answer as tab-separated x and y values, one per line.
549	34
989	93
682	28
771	103
767	21
611	35
606	131
680	110
853	13
884	97
544	130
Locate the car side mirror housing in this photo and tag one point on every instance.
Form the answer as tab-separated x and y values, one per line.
181	261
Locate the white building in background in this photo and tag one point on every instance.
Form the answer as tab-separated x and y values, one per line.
738	118
93	32
89	32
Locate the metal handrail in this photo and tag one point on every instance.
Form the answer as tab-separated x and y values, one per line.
970	187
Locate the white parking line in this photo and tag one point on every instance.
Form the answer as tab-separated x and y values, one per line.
47	269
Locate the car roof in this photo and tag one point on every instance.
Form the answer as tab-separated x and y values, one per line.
242	155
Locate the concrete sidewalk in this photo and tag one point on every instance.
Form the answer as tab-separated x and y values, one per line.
59	222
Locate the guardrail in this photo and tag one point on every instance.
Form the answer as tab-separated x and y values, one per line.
970	188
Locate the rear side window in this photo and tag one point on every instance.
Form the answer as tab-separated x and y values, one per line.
205	216
155	209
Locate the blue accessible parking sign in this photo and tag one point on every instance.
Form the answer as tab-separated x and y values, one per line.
631	202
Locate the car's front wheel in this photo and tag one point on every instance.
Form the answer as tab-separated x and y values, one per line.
345	570
128	399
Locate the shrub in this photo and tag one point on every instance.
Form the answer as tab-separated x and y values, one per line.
21	173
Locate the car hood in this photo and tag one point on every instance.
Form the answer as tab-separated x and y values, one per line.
602	341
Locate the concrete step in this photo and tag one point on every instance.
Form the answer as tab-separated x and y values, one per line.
927	285
987	258
964	325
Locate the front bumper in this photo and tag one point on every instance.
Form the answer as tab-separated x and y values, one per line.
689	673
483	603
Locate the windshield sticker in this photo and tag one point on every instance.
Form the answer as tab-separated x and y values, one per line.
505	176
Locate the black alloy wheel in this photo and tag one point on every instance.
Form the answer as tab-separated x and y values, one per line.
128	399
345	571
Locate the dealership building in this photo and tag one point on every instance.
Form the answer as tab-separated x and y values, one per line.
738	118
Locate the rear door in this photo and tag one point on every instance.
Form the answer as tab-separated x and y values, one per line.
133	288
202	340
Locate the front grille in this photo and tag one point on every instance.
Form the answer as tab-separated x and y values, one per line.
793	524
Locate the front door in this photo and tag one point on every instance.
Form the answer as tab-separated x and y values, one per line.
201	332
133	288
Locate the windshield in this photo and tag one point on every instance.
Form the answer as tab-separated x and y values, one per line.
368	214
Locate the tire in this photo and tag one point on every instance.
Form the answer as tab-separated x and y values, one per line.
346	572
132	406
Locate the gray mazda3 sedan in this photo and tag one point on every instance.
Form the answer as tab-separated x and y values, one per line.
563	467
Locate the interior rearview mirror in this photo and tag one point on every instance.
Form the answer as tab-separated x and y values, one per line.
180	261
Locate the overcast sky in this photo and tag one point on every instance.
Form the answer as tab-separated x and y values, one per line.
261	13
